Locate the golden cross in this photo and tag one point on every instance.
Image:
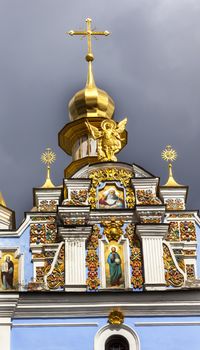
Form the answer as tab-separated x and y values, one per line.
88	32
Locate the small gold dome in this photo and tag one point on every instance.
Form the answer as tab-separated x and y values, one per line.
91	101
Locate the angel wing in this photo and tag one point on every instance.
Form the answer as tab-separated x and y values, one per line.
121	126
96	134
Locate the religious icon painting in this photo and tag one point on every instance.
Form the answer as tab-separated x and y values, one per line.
9	271
110	196
114	265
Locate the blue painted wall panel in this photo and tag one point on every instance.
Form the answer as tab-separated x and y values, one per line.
82	337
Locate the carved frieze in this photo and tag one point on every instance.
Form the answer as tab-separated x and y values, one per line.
76	198
151	219
74	221
48	205
147	197
174	204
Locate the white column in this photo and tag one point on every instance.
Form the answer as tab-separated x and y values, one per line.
75	271
8	303
5	327
75	257
152	245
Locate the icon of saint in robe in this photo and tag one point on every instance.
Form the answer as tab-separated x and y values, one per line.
7	273
115	269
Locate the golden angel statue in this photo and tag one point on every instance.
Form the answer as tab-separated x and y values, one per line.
109	138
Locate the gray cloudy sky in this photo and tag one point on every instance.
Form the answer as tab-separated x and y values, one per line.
149	65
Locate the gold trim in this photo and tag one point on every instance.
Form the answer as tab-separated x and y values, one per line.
73	131
73	167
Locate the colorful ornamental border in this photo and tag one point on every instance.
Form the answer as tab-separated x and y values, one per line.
136	262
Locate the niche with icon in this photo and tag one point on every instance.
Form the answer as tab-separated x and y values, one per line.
9	269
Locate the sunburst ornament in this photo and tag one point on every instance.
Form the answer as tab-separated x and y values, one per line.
48	157
169	154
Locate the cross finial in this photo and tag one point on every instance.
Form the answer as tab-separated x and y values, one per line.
88	33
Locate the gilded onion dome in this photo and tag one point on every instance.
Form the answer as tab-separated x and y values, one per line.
91	101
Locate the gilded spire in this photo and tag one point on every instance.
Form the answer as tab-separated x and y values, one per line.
169	155
2	201
48	157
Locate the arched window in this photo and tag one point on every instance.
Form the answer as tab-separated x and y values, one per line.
122	337
117	342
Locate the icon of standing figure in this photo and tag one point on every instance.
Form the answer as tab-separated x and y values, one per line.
115	269
7	273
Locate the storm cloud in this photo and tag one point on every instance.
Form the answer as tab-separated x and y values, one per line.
149	65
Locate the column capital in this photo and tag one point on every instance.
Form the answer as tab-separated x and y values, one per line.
80	232
153	231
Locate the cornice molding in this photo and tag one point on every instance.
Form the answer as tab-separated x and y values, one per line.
8	303
54	305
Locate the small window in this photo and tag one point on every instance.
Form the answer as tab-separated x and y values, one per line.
117	342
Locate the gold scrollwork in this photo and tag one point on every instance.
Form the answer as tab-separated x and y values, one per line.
173	276
173	232
116	317
57	278
112	229
41	233
188	232
190	270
